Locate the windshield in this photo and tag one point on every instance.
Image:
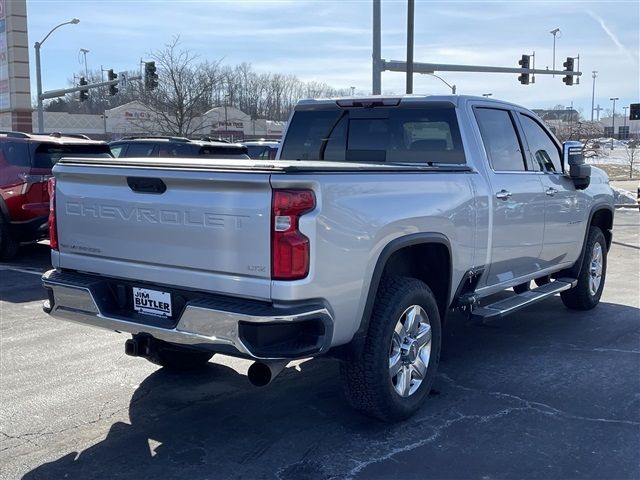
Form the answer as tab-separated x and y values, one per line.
395	135
48	154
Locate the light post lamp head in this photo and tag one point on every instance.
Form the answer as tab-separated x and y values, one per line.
555	31
74	21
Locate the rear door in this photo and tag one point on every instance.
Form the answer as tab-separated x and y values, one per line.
518	202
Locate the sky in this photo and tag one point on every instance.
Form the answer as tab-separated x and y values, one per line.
330	41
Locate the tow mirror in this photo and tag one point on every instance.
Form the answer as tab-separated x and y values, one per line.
573	158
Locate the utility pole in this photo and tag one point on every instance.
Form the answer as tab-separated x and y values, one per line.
376	80
83	52
554	32
593	91
410	24
613	120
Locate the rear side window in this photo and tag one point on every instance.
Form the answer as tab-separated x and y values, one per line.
544	151
175	150
500	140
138	149
48	154
16	153
394	135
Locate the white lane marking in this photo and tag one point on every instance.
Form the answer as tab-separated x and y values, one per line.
21	270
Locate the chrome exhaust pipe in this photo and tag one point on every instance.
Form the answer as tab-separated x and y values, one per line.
262	373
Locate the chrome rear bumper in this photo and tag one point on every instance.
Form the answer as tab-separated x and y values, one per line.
208	322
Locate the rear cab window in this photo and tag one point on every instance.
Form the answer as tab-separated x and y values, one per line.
424	134
545	154
46	155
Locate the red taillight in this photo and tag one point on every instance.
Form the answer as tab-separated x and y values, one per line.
289	247
53	224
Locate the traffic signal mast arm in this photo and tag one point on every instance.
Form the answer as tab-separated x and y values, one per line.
63	91
400	66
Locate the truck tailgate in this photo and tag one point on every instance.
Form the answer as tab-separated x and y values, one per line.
199	228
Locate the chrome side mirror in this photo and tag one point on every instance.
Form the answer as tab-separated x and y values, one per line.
573	158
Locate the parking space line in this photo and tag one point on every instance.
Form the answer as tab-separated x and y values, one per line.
21	270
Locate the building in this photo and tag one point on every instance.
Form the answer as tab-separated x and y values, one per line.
135	118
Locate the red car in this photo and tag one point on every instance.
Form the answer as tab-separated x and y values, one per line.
26	161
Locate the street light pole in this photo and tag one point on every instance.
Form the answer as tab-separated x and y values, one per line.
613	120
624	126
37	46
593	91
554	32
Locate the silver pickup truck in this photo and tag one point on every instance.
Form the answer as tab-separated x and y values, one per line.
380	216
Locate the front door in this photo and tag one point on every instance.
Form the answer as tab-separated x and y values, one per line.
565	207
518	201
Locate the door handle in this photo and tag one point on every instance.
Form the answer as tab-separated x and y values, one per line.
551	191
503	195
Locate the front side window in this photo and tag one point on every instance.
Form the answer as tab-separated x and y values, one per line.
500	140
544	151
394	135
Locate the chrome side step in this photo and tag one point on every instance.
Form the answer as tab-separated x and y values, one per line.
513	304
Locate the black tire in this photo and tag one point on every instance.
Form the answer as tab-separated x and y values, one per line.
8	245
580	297
523	287
366	380
177	358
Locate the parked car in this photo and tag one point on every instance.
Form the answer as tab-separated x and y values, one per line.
175	147
25	165
262	149
381	215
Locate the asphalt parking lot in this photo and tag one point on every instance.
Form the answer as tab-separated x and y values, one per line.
547	393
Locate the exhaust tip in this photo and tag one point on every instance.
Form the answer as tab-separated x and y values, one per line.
261	374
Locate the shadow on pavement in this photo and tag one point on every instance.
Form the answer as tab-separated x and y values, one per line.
213	424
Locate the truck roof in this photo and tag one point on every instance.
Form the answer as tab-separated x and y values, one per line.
391	100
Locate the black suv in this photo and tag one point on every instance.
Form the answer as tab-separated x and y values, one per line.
176	147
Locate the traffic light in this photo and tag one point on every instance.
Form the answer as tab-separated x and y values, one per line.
524	62
111	75
150	75
568	65
634	111
84	94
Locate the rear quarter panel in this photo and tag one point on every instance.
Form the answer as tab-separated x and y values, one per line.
357	215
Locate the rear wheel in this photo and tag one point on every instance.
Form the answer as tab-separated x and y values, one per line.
586	294
8	245
394	375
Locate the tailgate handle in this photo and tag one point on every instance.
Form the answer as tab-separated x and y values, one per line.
146	185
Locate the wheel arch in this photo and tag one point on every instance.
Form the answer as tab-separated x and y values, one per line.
394	258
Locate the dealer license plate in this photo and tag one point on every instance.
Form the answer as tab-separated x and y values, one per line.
152	302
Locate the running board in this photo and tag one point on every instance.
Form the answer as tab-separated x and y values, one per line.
513	304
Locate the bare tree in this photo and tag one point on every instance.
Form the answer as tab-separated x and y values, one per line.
184	90
631	149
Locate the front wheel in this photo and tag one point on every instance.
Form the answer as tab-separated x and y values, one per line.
401	354
586	294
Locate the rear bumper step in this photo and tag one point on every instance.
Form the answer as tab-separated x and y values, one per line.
209	322
512	304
